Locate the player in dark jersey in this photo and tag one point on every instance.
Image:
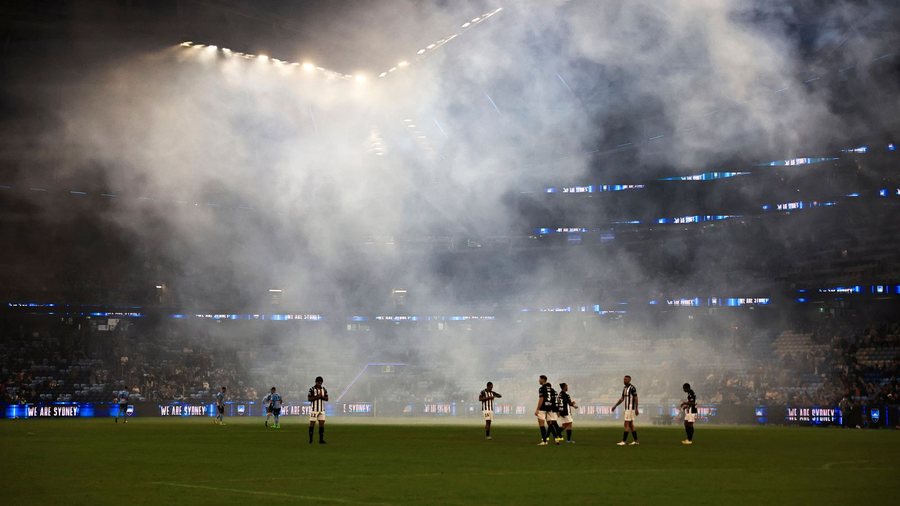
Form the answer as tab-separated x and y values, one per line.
317	396
689	407
546	412
220	407
487	407
564	403
630	397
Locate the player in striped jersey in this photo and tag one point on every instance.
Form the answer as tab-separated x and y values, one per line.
630	397
487	407
220	407
318	396
563	403
690	413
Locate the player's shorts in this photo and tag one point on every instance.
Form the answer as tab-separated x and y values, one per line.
268	409
690	417
316	415
566	419
547	416
220	409
276	411
488	415
629	415
123	409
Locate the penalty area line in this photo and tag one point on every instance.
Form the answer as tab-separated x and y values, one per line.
263	493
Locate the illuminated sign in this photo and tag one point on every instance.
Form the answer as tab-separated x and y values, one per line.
578	189
433	408
68	411
747	301
595	410
796	162
186	410
358	408
289	317
235	316
841	289
593	188
682	220
397	318
683	302
762	414
706	176
813	415
560	230
504	409
295	409
51	410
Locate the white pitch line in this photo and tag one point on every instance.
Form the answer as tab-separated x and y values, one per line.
450	474
829	465
258	492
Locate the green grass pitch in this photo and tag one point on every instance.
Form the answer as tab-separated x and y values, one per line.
193	461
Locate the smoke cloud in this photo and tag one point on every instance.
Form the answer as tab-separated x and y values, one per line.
240	175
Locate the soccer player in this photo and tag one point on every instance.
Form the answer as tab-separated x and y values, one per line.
563	403
267	401
220	407
630	396
318	396
487	407
275	403
690	413
546	411
122	400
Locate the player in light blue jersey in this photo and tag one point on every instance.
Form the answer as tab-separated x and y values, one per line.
220	407
267	404
122	400
273	403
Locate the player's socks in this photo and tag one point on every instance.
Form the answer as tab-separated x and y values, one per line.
310	434
569	435
321	434
634	435
487	432
625	436
690	432
543	433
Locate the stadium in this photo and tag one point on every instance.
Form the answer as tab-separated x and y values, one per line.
432	252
